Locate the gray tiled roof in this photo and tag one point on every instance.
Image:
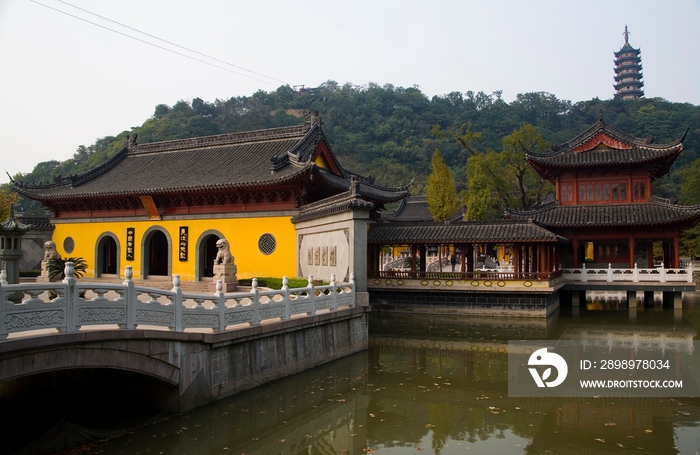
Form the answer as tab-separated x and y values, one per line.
653	213
334	204
502	231
634	151
415	208
366	188
237	161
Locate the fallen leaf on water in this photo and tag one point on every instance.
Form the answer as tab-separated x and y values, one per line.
600	440
648	431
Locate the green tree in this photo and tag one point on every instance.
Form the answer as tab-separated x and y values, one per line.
690	194
483	196
498	180
8	198
443	201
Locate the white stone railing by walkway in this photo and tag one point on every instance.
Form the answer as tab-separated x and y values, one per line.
22	307
635	275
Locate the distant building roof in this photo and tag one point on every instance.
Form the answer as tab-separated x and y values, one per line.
603	145
502	231
656	212
415	208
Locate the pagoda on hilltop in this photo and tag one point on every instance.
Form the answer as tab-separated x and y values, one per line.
604	204
628	72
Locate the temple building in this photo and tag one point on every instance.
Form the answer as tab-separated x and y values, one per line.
278	196
604	204
628	72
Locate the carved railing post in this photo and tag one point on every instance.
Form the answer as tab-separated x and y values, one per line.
689	271
635	274
130	296
352	289
584	275
256	301
3	282
662	273
609	277
221	304
312	296
177	301
285	296
71	299
334	291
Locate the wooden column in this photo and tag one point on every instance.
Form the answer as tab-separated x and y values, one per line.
631	247
667	254
414	253
528	259
574	244
423	259
676	254
470	257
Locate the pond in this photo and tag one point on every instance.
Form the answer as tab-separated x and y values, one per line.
434	385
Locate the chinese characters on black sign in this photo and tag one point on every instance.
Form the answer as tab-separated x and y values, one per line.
183	243
130	240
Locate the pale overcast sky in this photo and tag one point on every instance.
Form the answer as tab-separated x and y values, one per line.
65	82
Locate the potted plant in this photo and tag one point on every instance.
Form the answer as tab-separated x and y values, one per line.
57	266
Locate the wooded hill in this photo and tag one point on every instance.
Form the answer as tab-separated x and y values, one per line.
388	132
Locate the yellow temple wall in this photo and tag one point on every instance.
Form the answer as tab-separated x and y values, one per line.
242	234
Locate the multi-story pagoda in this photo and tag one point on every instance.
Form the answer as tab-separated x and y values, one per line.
604	203
628	72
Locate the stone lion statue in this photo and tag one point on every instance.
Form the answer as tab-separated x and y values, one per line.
224	255
50	251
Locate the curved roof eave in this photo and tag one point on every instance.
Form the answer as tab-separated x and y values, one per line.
600	127
296	175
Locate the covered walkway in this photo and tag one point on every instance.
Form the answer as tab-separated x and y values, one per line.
496	250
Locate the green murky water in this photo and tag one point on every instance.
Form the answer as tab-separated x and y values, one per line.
435	385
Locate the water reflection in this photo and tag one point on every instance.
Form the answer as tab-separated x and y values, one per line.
438	385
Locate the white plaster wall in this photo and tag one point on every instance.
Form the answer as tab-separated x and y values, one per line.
348	233
316	243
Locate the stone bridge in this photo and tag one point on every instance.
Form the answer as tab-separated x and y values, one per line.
199	367
207	347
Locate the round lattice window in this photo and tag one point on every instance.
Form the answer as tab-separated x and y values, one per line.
68	245
267	243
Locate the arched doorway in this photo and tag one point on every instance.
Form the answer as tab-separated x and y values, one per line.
206	252
156	254
107	256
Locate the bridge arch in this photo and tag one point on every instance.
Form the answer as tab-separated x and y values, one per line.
38	361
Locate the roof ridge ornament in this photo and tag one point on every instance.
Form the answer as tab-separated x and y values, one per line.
130	141
354	185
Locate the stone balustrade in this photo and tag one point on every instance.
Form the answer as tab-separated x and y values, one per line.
634	275
62	305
